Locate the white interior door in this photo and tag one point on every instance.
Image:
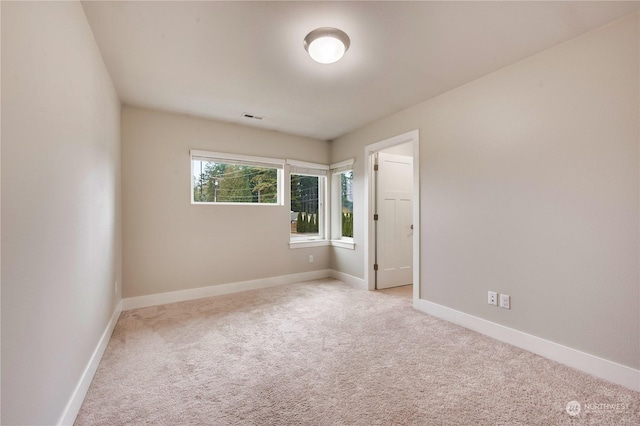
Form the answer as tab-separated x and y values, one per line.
394	230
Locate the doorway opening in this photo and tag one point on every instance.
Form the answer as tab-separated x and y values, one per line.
392	203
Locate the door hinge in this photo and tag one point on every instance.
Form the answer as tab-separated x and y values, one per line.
375	266
375	216
375	167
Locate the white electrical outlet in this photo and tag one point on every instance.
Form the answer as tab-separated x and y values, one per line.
492	298
505	301
310	258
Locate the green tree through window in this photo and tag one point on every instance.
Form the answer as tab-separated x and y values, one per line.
346	201
216	182
305	202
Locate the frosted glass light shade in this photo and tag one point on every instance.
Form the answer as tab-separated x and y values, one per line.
326	45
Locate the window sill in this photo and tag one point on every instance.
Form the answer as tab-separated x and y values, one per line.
307	243
346	244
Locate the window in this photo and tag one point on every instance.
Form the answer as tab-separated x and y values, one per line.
342	204
308	203
235	179
346	204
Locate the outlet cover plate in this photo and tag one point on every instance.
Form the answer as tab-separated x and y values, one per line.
492	298
505	301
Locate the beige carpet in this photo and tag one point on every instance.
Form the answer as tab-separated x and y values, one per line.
322	353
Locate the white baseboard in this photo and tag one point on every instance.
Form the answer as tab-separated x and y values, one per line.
349	279
75	402
596	366
217	290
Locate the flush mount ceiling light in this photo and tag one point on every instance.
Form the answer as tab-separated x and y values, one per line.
326	45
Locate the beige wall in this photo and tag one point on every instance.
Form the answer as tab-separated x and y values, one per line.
60	206
529	187
170	244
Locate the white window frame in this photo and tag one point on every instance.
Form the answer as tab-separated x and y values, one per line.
305	168
337	240
247	160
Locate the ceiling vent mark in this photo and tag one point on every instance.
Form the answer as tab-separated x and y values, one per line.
252	116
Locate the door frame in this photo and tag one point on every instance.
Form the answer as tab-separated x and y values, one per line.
369	242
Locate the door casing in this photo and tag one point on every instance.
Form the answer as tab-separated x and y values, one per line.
369	242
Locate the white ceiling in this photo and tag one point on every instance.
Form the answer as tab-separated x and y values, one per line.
222	59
